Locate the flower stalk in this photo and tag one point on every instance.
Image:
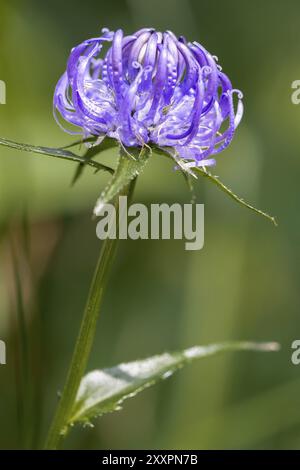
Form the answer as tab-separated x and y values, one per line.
84	343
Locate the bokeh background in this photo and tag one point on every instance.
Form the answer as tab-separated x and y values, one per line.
244	284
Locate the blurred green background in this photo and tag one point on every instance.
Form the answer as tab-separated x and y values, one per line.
244	284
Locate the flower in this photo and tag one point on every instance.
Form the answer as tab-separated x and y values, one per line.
150	88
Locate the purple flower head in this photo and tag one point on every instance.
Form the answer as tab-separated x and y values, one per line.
150	88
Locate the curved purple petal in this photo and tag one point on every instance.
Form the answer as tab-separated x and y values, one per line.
150	87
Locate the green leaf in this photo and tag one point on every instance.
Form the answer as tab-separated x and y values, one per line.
131	163
97	147
103	391
169	152
215	180
88	156
57	152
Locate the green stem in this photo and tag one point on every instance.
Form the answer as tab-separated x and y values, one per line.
60	424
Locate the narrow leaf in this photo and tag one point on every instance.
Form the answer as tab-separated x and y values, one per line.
54	152
230	193
129	166
88	156
98	145
103	391
169	152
